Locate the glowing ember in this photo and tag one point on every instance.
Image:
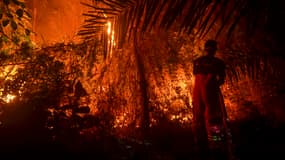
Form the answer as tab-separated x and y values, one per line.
8	72
122	120
182	118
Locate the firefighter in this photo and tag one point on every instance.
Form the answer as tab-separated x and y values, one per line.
208	103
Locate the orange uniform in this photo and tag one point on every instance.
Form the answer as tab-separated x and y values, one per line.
209	74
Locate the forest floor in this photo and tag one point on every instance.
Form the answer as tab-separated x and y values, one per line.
253	138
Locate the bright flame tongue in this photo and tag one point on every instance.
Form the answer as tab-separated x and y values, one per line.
7	74
9	98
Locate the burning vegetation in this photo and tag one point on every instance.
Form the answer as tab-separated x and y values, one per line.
106	85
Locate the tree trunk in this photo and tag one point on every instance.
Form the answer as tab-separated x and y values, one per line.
143	85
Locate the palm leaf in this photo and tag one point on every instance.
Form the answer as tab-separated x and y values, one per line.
144	15
157	13
207	19
131	17
229	16
152	5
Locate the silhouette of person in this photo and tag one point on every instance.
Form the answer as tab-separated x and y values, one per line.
209	73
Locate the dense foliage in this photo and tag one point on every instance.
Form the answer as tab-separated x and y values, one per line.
145	81
15	25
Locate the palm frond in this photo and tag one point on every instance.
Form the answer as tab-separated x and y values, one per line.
229	16
197	17
145	15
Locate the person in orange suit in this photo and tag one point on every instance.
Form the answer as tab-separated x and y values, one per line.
208	103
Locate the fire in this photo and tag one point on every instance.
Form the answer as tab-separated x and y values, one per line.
109	27
182	118
111	36
8	73
9	98
122	120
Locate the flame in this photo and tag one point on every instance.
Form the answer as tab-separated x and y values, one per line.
123	120
7	73
113	39
109	27
111	36
9	98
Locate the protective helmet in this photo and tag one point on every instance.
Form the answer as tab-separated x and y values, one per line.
210	45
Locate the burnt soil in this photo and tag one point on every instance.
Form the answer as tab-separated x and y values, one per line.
253	138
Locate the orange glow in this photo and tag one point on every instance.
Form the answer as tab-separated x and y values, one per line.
182	118
9	98
109	28
7	74
111	37
122	120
